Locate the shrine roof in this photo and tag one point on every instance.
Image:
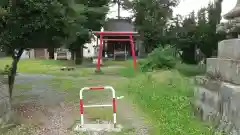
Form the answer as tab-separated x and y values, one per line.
115	33
232	14
235	12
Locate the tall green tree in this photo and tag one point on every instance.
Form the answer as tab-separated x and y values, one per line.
187	39
208	18
151	17
214	18
95	13
36	24
198	31
77	32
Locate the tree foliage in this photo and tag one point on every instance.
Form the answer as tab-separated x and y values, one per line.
47	24
154	21
151	17
159	58
95	16
199	31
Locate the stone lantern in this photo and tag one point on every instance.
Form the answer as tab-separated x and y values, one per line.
234	13
232	27
218	92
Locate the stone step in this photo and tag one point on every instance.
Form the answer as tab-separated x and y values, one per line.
205	82
229	49
224	69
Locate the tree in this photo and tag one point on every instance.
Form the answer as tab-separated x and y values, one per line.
208	18
95	13
214	18
36	24
154	21
197	31
151	17
126	4
77	32
187	39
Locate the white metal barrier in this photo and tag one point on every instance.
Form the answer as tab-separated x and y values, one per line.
113	105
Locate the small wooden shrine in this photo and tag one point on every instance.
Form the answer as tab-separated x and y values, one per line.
117	41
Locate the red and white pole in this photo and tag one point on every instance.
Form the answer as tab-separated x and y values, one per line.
114	104
81	108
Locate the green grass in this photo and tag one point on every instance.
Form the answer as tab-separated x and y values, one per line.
36	66
163	96
26	86
52	67
128	72
165	99
128	63
18	130
73	86
190	70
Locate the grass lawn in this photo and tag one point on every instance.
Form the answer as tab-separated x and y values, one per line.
190	70
41	66
163	96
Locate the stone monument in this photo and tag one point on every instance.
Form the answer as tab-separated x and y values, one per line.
217	94
232	26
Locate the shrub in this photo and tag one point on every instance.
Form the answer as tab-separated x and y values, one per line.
190	70
161	57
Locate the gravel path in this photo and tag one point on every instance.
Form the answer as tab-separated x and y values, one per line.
135	119
45	107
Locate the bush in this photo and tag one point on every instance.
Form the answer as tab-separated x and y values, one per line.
159	58
190	70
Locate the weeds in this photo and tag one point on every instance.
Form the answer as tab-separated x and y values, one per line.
190	70
128	72
167	104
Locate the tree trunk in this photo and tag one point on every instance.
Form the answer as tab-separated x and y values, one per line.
119	8
11	76
79	56
148	49
72	55
188	55
51	53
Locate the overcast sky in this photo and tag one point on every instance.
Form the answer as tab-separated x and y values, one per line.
184	8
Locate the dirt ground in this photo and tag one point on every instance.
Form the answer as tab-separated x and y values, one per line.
43	110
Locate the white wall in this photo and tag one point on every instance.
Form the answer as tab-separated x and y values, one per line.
90	51
25	55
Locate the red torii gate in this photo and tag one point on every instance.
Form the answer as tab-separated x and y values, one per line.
112	33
